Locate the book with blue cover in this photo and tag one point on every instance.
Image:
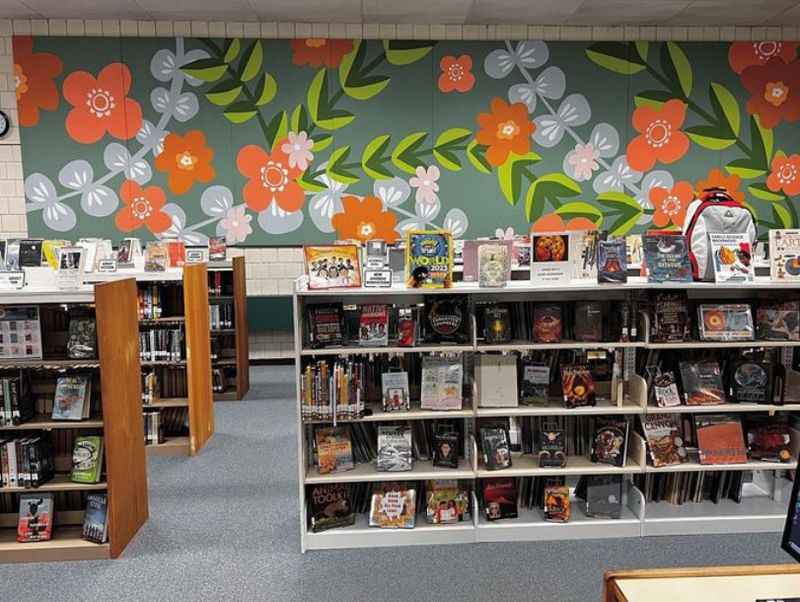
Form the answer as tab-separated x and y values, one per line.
666	256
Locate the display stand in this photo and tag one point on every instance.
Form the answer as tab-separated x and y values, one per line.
231	344
763	508
120	425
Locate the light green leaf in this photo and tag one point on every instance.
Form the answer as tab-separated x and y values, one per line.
782	216
447	159
321	142
335	170
580	209
225	92
551	188
276	129
372	158
251	61
710	137
403	156
617	201
267	87
763	141
760	191
642	47
207	70
241	111
312	185
682	68
405	52
355	82
618	57
625	222
282	131
452	137
314	96
232	48
653	98
299	119
745	169
725	106
626	209
318	105
476	156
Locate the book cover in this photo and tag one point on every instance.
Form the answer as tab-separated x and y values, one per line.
406	327
583	254
670	318
547	323
393	506
72	393
732	255
177	253
534	383
496	380
784	253
665	390
588	324
35	521
720	439
334	449
634	246
664	441
667	257
87	459
332	266
445	449
30	253
156	257
521	252
71	263
500	499
395	391
82	341
446	502
751	382
612	261
556	503
374	326
702	383
95	519
577	386
12	255
725	322
550	263
778	321
447	319
217	248
610	441
768	438
496	324
429	259
441	383
394	449
50	251
331	507
494	265
552	446
604	496
326	324
496	448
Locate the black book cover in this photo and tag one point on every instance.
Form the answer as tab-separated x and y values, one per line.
30	253
330	507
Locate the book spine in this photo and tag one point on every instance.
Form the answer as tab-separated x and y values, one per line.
13	387
11	448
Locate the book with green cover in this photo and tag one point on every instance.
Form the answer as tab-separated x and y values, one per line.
87	459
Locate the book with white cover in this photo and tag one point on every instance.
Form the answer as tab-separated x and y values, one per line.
784	254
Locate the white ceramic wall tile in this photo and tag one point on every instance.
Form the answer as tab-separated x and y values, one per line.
216	29
128	28
164	28
252	30
39	27
58	27
269	30
405	31
182	28
200	28
286	30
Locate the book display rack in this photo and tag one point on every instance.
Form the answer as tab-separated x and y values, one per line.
74	481
176	367
357	428
230	347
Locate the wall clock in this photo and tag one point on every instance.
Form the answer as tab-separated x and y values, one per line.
5	124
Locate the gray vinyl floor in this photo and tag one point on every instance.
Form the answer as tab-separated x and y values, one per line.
224	526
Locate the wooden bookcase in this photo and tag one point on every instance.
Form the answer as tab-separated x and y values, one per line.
762	509
228	289
188	417
119	423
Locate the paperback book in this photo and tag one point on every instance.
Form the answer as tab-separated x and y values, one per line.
667	257
326	325
445	448
664	442
394	449
393	506
547	323
36	512
752	381
768	439
496	448
720	439
583	254
395	391
665	390
72	398
374	326
331	507
500	499
217	248
732	255
441	384
87	459
446	502
778	321
446	319
577	386
496	325
610	441
95	519
534	385
429	259
30	253
784	254
588	325
334	449
556	503
612	266
551	449
702	383
494	265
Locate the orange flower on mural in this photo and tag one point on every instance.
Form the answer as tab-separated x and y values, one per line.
553	222
742	55
456	74
670	205
504	130
101	104
364	220
187	160
142	208
34	73
785	174
717	179
316	52
774	91
272	179
660	137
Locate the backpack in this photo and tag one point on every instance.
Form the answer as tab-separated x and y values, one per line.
714	211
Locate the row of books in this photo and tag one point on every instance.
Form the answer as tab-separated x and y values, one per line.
219	284
692	487
220	315
159	382
16	403
37	512
153	433
162	344
29	461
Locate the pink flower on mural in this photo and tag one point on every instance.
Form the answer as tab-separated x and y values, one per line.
425	183
298	146
236	225
584	161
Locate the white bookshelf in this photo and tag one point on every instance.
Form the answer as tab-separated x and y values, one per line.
763	512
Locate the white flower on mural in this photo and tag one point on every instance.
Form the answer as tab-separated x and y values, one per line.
274	220
165	65
528	54
97	200
457	222
551	83
41	194
426	184
504	234
393	192
216	200
581	162
573	111
325	203
298	147
616	177
118	158
178	227
180	106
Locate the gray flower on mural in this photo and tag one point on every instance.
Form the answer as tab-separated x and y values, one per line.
581	162
178	227
118	158
551	84
573	111
618	175
41	194
528	54
274	220
393	192
427	210
151	137
411	223
325	203
165	65
456	221
97	200
181	106
216	201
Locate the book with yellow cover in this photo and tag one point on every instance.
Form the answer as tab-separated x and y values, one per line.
429	259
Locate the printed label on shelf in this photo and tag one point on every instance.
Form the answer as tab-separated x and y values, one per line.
378	278
107	265
195	255
11	281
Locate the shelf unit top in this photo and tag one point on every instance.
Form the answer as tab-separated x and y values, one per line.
169	275
40	294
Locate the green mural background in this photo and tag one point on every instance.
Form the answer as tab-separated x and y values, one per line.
192	138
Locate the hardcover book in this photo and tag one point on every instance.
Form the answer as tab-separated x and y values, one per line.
217	248
534	383
521	253
665	390
334	449
725	322
82	341
445	448
176	249
156	257
612	261
496	380
332	266
374	326
394	449
577	386
30	253
670	318
12	256
778	321
393	506
588	321
470	269
556	503
702	383
720	439
50	251
784	253
732	255
496	325
583	254
441	383
500	499
667	257
35	521
547	323
429	259
752	382
395	391
326	325
664	441
494	265
496	448
551	263
70	267
330	506
604	496
768	439
72	398
610	441
95	519
87	459
447	319
446	502
406	327
551	448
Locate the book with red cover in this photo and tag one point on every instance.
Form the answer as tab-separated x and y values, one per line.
720	439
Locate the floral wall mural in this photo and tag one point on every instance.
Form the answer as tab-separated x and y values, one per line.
292	141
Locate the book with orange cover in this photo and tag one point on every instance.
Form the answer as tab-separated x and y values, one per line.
720	439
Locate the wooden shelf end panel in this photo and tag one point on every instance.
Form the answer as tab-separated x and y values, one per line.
117	339
198	356
240	322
